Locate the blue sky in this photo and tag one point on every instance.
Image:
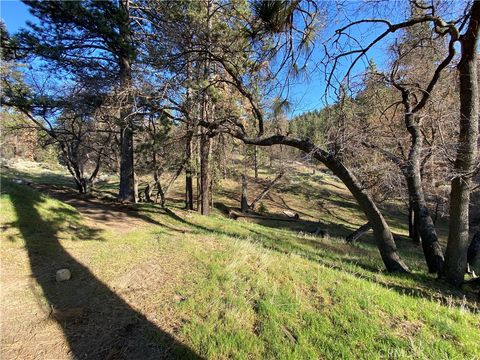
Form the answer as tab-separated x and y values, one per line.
15	14
307	93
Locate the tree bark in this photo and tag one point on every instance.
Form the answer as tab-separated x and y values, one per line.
127	182
205	148
473	253
255	163
383	236
205	140
411	169
458	241
188	172
244	199
413	232
426	229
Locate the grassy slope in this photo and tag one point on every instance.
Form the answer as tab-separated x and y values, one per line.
232	289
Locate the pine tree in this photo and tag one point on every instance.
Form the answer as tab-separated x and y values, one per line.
90	42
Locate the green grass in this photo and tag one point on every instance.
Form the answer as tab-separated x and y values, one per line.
238	290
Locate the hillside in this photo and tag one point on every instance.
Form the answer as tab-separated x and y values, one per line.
167	283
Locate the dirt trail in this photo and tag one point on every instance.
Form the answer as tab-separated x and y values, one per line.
98	313
98	212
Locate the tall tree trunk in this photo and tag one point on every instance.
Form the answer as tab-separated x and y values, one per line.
255	161
158	185
224	156
188	143
244	199
127	182
205	149
458	241
205	140
188	172
412	172
15	147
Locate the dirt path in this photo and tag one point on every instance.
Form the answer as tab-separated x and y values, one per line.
98	212
120	299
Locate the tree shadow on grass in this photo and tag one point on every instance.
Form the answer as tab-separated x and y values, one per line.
96	322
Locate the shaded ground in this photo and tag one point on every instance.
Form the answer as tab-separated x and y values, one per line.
98	211
95	321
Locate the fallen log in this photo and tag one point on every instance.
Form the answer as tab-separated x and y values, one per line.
232	214
291	214
357	234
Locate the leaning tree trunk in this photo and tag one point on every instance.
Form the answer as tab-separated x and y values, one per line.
127	182
266	190
458	241
383	236
171	182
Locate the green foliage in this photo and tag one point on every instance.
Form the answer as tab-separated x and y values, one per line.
83	37
275	16
7	50
312	125
262	208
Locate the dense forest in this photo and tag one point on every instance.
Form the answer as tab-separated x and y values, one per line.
154	94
